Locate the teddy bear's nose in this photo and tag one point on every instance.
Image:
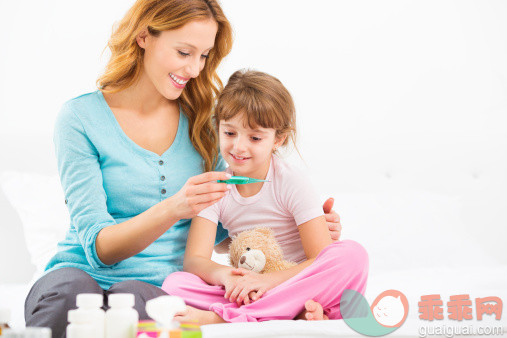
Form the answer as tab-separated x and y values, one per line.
242	259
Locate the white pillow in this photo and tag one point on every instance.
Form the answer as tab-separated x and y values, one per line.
40	204
409	229
43	213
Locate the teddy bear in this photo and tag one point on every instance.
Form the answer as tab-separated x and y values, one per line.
257	250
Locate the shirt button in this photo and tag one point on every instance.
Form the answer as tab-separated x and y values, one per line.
66	201
161	162
163	191
162	178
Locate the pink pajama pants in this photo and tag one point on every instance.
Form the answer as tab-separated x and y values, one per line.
341	265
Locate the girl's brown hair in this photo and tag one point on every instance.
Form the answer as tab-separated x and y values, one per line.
263	99
197	99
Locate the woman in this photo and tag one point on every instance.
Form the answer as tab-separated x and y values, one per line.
131	158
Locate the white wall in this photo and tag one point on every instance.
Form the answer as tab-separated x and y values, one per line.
392	96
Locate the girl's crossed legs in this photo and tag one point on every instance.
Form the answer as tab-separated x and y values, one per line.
341	265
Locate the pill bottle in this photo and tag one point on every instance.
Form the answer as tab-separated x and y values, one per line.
29	332
121	318
36	332
91	305
80	325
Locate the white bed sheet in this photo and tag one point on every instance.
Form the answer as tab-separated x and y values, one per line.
477	281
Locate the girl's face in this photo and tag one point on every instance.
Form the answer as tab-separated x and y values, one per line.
246	150
176	56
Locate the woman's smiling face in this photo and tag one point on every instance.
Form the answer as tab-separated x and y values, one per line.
176	56
247	150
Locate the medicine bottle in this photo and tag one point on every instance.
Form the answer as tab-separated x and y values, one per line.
28	332
121	318
80	325
91	304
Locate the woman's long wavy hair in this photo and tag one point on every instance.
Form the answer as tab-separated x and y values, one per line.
198	97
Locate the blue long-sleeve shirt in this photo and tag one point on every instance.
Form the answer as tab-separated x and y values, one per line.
107	179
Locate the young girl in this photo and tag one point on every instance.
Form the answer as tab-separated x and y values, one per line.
255	115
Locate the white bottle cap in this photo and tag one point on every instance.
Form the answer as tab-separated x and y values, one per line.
121	300
37	332
79	317
5	315
88	300
10	333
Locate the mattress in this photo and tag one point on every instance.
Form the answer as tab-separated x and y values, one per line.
477	281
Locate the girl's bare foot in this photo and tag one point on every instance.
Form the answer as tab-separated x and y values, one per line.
203	317
312	311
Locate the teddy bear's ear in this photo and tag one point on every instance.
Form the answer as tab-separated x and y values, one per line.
265	231
233	238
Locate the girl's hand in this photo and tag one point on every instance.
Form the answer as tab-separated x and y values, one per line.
198	193
251	285
229	282
332	220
